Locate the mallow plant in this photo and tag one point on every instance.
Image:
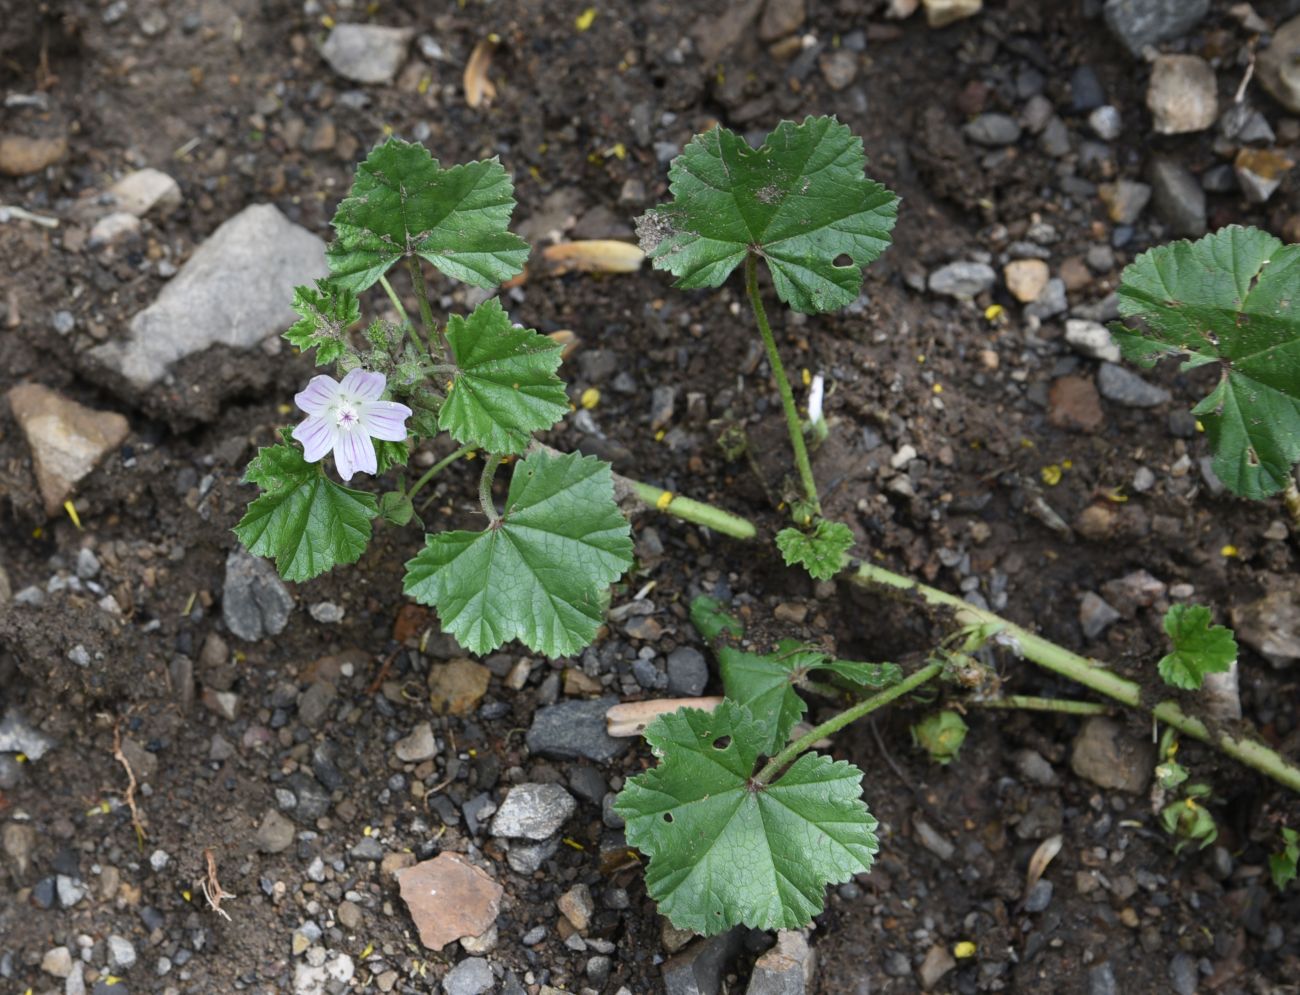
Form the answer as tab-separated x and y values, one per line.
743	821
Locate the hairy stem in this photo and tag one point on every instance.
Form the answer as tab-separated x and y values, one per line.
693	511
910	684
782	384
1031	703
431	330
1291	498
490	464
397	304
436	469
1090	674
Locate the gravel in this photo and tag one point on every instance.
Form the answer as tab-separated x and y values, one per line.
255	603
962	279
533	812
688	672
1122	386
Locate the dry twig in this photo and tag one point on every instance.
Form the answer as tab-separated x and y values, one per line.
211	887
120	757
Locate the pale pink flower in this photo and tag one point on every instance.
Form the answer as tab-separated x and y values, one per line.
343	417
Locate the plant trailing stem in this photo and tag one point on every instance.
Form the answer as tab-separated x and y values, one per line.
436	469
908	685
782	384
490	464
1034	704
1090	674
1291	498
431	330
693	511
397	304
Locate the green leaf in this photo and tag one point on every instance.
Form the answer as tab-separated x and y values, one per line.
538	573
1228	299
396	508
724	852
1199	647
820	552
1282	865
304	521
403	203
764	684
801	201
505	388
712	620
868	675
325	315
390	454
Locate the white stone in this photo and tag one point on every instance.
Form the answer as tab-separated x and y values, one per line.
366	53
1092	339
146	192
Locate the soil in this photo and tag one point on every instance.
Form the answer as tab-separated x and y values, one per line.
219	97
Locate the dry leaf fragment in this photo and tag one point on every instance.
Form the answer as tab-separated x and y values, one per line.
597	255
478	88
566	338
1047	849
631	717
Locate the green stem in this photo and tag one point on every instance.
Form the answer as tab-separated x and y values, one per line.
694	511
490	464
436	469
782	385
778	762
1090	674
1034	704
397	303
431	330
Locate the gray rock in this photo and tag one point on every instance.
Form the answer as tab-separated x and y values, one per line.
1055	139
1039	897
1260	172
417	747
574	729
1182	973
121	952
1106	123
1109	756
57	962
366	53
527	858
1138	23
1271	625
699	969
1050	302
1242	124
1124	199
933	840
367	848
786	969
18	840
1101	980
254	601
71	890
17	735
1086	91
234	291
993	130
1177	197
146	192
1092	339
1127	388
1034	768
898	964
663	401
1278	66
962	279
533	812
1182	94
275	834
1095	615
687	671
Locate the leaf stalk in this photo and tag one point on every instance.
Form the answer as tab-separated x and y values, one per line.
436	469
490	464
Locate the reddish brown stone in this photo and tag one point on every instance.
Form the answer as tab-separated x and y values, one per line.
449	898
1073	403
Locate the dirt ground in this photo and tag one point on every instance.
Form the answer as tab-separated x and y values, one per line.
232	99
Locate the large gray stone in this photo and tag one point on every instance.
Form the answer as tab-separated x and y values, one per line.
533	812
1278	66
1178	197
1138	23
366	53
575	729
234	291
786	969
1271	625
698	970
254	601
472	976
1110	756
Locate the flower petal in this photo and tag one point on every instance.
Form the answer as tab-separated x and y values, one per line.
385	420
318	395
317	437
355	453
363	384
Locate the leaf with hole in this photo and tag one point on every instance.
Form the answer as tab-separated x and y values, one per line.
505	387
537	574
725	851
1200	648
404	204
801	201
1229	300
303	520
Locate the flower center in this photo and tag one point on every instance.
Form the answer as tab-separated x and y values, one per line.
345	416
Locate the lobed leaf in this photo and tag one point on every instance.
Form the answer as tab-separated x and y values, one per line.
1199	647
1227	299
801	201
403	203
324	316
304	521
724	851
538	574
505	387
820	552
